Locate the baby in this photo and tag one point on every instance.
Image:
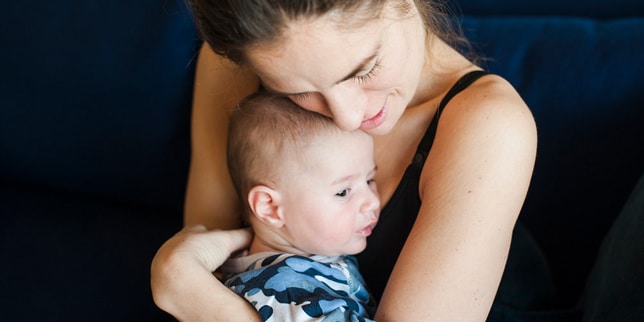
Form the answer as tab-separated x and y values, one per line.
308	192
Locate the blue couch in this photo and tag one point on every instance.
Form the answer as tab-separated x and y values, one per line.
94	138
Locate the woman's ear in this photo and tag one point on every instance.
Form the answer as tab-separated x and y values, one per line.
265	205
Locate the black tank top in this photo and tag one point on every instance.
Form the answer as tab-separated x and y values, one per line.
398	216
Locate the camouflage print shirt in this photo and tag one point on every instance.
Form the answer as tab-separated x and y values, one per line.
287	287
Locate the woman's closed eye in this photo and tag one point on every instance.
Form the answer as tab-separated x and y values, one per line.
298	97
360	78
364	77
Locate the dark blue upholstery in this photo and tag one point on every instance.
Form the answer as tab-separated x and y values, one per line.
94	132
94	139
591	9
96	98
583	79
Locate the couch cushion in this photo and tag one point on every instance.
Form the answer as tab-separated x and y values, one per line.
95	98
65	259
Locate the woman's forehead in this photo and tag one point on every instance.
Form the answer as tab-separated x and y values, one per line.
318	51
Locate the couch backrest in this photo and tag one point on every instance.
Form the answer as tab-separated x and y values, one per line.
582	77
583	81
589	9
578	66
95	98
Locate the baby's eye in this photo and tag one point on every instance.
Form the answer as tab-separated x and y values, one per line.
343	193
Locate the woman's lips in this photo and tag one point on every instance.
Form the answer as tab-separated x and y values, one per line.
374	121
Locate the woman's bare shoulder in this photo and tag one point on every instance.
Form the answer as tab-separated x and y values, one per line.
486	142
490	105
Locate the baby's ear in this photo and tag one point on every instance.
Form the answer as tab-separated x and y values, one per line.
265	204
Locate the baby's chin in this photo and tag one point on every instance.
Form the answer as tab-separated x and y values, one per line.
356	247
356	250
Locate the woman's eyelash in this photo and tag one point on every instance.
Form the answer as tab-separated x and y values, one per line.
299	97
363	78
359	78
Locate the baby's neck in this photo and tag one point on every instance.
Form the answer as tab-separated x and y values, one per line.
260	245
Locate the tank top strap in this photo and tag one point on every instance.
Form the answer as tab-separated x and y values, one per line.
426	143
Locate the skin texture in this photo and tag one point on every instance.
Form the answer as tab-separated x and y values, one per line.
472	186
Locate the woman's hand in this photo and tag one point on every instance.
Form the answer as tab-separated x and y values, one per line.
208	248
181	275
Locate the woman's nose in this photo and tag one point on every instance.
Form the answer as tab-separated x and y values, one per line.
347	105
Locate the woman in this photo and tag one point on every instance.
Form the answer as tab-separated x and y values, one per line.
385	67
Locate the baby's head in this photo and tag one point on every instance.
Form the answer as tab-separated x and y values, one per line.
266	138
302	178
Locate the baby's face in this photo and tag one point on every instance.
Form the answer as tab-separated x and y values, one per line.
331	203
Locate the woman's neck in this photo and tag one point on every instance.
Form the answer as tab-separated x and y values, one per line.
443	66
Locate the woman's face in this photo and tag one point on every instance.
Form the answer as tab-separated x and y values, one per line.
362	77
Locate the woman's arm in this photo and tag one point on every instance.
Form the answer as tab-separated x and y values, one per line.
219	86
181	272
473	185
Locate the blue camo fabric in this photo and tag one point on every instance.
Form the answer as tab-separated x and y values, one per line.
287	287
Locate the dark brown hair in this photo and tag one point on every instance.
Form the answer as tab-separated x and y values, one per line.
230	27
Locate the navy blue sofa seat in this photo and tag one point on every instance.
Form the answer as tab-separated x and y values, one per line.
94	132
